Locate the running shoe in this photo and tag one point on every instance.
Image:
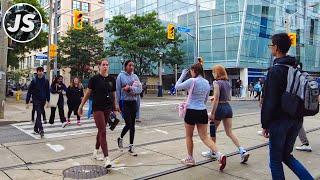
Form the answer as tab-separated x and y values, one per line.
132	151
188	161
120	144
222	162
244	157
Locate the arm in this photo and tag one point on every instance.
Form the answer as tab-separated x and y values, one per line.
64	87
29	92
118	89
137	89
53	88
206	99
216	98
47	91
183	85
84	100
114	103
270	100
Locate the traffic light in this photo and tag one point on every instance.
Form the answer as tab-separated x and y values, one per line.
53	52
293	38
200	60
170	31
77	19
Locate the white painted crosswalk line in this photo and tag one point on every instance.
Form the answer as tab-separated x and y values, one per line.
87	126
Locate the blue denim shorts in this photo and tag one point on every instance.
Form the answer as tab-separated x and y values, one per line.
223	111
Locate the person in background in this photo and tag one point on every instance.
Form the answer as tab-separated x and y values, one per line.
57	87
74	95
258	89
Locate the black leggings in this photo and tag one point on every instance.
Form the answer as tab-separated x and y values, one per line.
61	112
75	110
129	111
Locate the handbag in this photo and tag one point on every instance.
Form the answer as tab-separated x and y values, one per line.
54	98
182	107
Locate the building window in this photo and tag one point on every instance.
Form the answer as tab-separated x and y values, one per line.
97	21
59	5
85	21
85	7
76	5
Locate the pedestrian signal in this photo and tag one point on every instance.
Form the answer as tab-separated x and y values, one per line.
170	31
293	38
77	20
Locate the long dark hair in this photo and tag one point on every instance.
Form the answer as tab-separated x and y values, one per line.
56	79
126	64
198	69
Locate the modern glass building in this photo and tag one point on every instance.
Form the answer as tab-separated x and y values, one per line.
234	33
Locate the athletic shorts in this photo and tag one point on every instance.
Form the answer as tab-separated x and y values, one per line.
223	111
196	117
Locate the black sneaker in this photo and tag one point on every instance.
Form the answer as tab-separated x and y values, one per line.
41	133
35	132
45	121
114	124
132	151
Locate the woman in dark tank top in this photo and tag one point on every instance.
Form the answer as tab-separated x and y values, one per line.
222	111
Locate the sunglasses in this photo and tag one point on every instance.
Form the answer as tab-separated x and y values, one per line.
271	45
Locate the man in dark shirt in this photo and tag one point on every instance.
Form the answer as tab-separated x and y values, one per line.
39	90
281	129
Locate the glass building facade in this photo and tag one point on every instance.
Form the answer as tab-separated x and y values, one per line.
234	33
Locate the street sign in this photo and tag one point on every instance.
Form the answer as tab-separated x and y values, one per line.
183	29
41	56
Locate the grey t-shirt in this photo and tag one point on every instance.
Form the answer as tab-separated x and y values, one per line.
225	90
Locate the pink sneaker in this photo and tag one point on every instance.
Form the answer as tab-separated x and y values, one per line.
79	123
68	121
188	161
222	162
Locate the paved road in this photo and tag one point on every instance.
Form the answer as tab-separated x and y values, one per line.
153	112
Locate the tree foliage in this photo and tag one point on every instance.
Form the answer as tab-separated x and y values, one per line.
80	50
19	49
140	39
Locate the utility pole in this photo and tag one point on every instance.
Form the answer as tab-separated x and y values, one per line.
176	76
49	41
3	60
55	34
197	31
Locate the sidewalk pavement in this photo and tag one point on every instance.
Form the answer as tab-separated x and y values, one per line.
159	149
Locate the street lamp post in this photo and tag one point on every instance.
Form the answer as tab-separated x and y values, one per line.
194	47
122	62
160	75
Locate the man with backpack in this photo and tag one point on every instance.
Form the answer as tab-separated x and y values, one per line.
281	128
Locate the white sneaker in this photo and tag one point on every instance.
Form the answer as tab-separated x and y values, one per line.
120	144
107	162
132	151
260	133
64	124
304	148
209	154
244	157
96	156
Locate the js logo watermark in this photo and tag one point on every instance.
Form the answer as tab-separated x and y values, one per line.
22	22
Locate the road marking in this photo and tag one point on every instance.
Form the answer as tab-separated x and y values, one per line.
164	132
56	148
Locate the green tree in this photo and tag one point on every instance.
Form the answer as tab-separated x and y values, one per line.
17	74
140	39
19	49
80	50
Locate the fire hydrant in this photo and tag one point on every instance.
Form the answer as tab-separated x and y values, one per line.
18	96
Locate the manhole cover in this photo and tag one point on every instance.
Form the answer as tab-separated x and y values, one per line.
85	172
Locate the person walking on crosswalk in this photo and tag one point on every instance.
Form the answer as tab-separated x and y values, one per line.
57	87
39	90
74	95
128	89
103	89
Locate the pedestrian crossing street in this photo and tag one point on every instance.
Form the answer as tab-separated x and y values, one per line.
87	125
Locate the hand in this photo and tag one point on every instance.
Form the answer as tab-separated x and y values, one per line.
117	109
27	106
185	72
126	88
135	84
211	117
265	133
80	111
